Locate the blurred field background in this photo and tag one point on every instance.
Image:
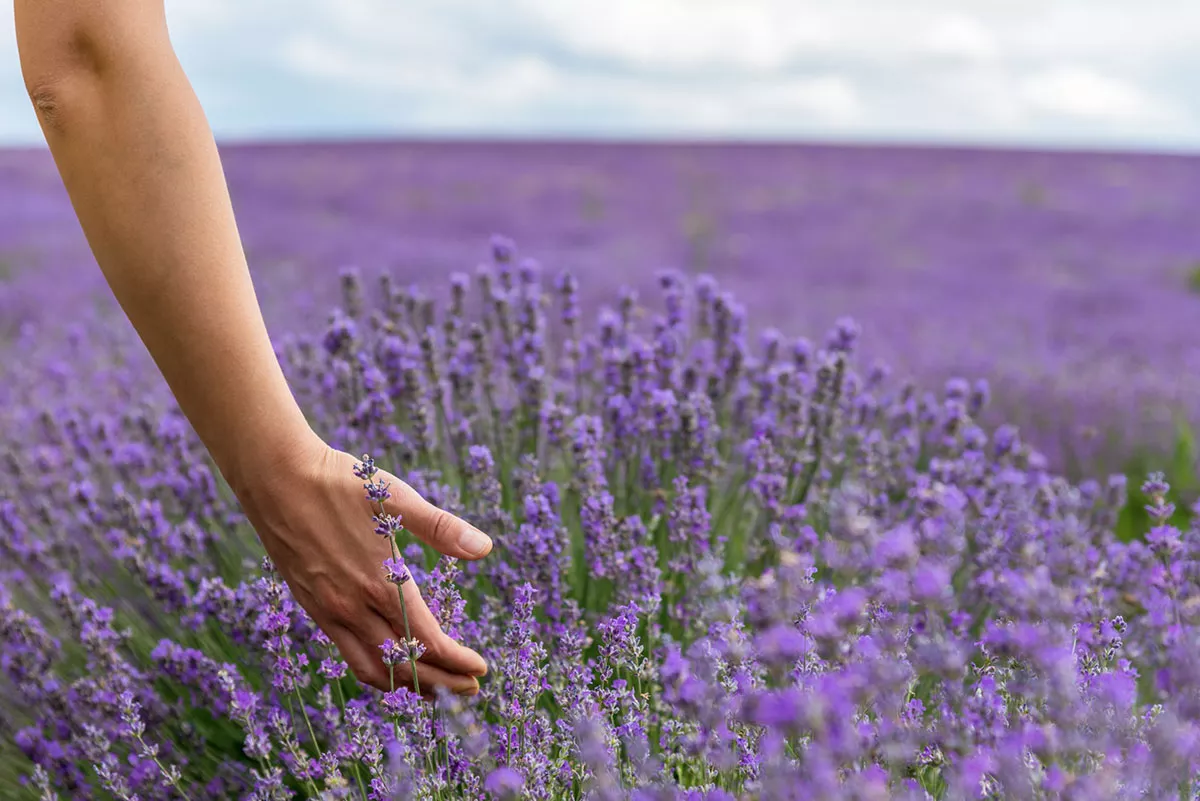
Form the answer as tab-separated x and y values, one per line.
1067	280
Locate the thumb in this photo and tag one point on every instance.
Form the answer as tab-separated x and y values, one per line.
437	527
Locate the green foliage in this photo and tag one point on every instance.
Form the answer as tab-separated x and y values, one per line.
1182	468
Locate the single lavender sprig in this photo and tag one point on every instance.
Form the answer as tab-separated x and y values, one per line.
1159	508
41	781
96	749
132	717
389	526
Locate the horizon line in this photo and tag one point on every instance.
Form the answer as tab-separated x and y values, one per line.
970	145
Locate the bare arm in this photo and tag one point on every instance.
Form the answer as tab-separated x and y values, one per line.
141	167
142	170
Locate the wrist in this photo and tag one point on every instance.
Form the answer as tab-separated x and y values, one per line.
275	455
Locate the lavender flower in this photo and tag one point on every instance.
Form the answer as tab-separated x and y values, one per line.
393	652
396	571
504	783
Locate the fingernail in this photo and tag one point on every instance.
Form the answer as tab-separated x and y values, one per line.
474	541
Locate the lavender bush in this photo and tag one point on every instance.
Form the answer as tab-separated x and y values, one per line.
724	569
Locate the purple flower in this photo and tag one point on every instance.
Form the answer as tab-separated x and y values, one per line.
782	644
393	652
504	783
503	249
377	491
395	570
387	525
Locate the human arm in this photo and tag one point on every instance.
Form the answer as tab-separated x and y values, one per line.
142	170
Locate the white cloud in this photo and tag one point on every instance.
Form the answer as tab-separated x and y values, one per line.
961	38
767	108
830	98
519	80
994	70
757	35
1075	91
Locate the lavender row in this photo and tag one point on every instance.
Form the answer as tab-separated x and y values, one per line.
728	565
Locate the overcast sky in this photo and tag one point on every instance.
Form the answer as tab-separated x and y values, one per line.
1104	73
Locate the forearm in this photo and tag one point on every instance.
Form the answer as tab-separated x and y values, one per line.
141	167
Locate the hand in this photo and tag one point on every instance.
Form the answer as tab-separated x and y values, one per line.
315	522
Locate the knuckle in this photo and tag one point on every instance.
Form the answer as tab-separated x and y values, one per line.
336	606
436	649
370	675
442	527
380	594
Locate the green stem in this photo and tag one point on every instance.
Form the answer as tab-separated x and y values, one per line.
300	759
392	681
412	661
162	769
307	722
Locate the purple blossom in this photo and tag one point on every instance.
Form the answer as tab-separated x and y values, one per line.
396	571
504	783
393	652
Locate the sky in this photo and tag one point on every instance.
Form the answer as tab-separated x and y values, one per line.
1060	73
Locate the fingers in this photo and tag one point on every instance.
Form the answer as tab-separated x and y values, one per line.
432	677
366	661
440	649
367	667
437	527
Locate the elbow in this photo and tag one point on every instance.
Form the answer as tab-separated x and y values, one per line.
51	96
68	59
60	75
58	99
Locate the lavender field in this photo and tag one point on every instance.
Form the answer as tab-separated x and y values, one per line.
767	439
1068	280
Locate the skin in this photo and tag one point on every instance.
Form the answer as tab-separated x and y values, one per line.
140	164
